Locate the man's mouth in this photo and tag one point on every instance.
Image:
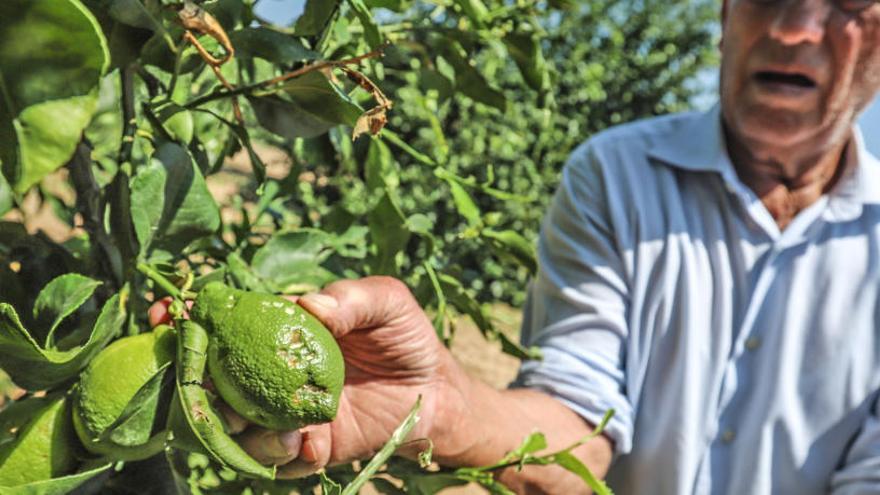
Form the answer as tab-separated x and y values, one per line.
785	79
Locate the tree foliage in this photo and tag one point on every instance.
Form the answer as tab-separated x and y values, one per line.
424	139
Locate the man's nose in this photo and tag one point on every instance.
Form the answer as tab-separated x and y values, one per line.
800	21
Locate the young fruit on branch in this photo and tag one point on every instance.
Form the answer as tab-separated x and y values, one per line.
117	400
43	446
269	359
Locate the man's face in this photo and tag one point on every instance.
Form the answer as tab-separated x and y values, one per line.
797	72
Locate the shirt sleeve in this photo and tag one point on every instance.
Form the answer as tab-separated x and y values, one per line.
860	472
577	305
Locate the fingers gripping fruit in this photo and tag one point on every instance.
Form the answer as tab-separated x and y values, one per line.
269	359
43	448
108	385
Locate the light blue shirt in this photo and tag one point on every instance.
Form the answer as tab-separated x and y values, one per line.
740	360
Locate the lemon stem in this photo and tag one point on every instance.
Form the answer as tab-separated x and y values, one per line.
161	281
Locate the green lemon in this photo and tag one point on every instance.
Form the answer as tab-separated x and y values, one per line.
109	383
269	359
43	447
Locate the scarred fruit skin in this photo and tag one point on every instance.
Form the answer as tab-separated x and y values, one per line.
44	448
269	359
110	381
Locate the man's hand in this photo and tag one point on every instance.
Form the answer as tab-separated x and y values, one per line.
392	356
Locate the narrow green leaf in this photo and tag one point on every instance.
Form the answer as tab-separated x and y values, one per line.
513	244
475	10
468	80
429	484
525	49
571	463
464	204
328	486
371	30
36	368
56	486
60	298
51	64
532	443
389	234
135	423
393	443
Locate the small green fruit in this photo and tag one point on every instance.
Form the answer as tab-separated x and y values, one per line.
43	448
269	359
108	384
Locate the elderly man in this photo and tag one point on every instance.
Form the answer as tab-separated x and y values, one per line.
714	278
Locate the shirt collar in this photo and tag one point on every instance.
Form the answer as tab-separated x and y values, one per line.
698	144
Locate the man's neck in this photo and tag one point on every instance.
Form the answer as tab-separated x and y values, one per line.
787	183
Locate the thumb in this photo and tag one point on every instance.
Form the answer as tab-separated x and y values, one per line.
366	303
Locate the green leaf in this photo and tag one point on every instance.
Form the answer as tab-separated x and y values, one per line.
329	486
135	423
532	443
464	302
60	298
50	67
176	120
171	204
270	45
241	276
468	80
389	234
371	30
429	484
513	244
56	486
131	12
307	106
571	463
397	438
315	17
465	204
291	261
475	10
6	198
36	368
525	49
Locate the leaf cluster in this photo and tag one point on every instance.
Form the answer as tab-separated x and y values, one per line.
419	139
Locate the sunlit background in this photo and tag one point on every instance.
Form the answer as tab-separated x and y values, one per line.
284	12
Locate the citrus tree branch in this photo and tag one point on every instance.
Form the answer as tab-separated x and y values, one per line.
324	64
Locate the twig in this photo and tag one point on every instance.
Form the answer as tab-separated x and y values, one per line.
161	281
284	77
90	206
129	119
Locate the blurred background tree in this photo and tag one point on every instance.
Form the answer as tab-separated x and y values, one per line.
608	62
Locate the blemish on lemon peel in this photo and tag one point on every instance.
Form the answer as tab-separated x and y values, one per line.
265	351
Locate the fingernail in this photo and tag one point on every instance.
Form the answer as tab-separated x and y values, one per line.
322	300
282	444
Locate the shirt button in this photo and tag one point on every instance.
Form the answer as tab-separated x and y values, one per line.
728	436
753	343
